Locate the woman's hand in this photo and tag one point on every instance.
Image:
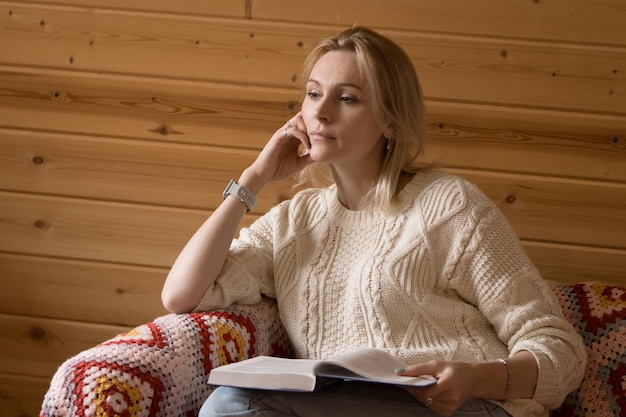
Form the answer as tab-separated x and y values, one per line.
455	384
459	381
281	156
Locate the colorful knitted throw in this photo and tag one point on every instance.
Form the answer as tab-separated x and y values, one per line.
598	312
161	368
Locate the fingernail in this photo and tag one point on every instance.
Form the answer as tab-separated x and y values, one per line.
399	370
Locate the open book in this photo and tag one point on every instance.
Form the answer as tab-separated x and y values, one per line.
266	372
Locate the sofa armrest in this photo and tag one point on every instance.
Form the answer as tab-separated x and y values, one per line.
598	312
161	368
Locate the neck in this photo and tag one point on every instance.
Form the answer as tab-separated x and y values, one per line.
355	180
351	190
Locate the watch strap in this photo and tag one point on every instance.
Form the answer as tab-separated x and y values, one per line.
242	193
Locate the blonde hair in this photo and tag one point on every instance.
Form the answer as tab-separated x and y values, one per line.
396	98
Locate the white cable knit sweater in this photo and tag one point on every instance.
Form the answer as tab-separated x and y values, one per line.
442	277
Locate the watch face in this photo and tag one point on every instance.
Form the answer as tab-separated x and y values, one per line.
228	189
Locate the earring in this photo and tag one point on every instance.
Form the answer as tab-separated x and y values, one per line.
388	143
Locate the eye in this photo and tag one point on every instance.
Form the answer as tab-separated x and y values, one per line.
348	99
313	94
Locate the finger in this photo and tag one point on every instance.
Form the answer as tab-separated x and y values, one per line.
289	127
425	398
300	135
294	121
428	402
298	123
427	368
439	403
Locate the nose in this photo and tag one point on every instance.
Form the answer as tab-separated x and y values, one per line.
323	109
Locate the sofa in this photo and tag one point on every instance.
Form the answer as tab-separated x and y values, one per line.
161	368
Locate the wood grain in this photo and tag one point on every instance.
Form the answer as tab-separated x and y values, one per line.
35	346
554	210
585	22
22	396
575	21
451	67
192	8
572	264
172	111
62	227
85	291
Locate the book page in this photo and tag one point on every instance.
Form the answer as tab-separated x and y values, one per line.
370	364
268	373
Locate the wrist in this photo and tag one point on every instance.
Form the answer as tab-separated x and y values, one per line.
492	381
251	181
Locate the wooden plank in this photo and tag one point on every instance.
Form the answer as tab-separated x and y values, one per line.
128	171
519	73
586	21
83	291
112	169
551	143
515	72
195	112
577	21
35	347
555	210
213	8
99	231
21	396
202	49
571	264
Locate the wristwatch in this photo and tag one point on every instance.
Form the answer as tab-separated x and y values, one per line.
242	193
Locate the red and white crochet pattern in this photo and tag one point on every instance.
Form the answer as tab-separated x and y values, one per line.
161	368
598	312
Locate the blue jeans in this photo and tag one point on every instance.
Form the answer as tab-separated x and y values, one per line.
341	399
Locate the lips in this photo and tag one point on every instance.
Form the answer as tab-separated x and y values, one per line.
320	135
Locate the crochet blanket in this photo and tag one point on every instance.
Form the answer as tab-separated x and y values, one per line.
598	312
161	368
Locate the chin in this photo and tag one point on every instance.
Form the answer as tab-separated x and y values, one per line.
318	156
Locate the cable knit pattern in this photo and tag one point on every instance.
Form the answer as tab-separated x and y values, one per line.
442	276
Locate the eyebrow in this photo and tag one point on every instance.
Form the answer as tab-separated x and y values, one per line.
312	80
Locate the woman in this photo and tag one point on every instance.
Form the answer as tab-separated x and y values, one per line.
382	253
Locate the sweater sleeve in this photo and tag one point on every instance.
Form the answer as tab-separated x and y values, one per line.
248	272
496	275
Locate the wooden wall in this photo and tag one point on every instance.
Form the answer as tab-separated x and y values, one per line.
121	121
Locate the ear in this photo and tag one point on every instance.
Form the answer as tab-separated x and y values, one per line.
388	132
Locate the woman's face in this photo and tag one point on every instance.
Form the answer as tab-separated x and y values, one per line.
339	117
